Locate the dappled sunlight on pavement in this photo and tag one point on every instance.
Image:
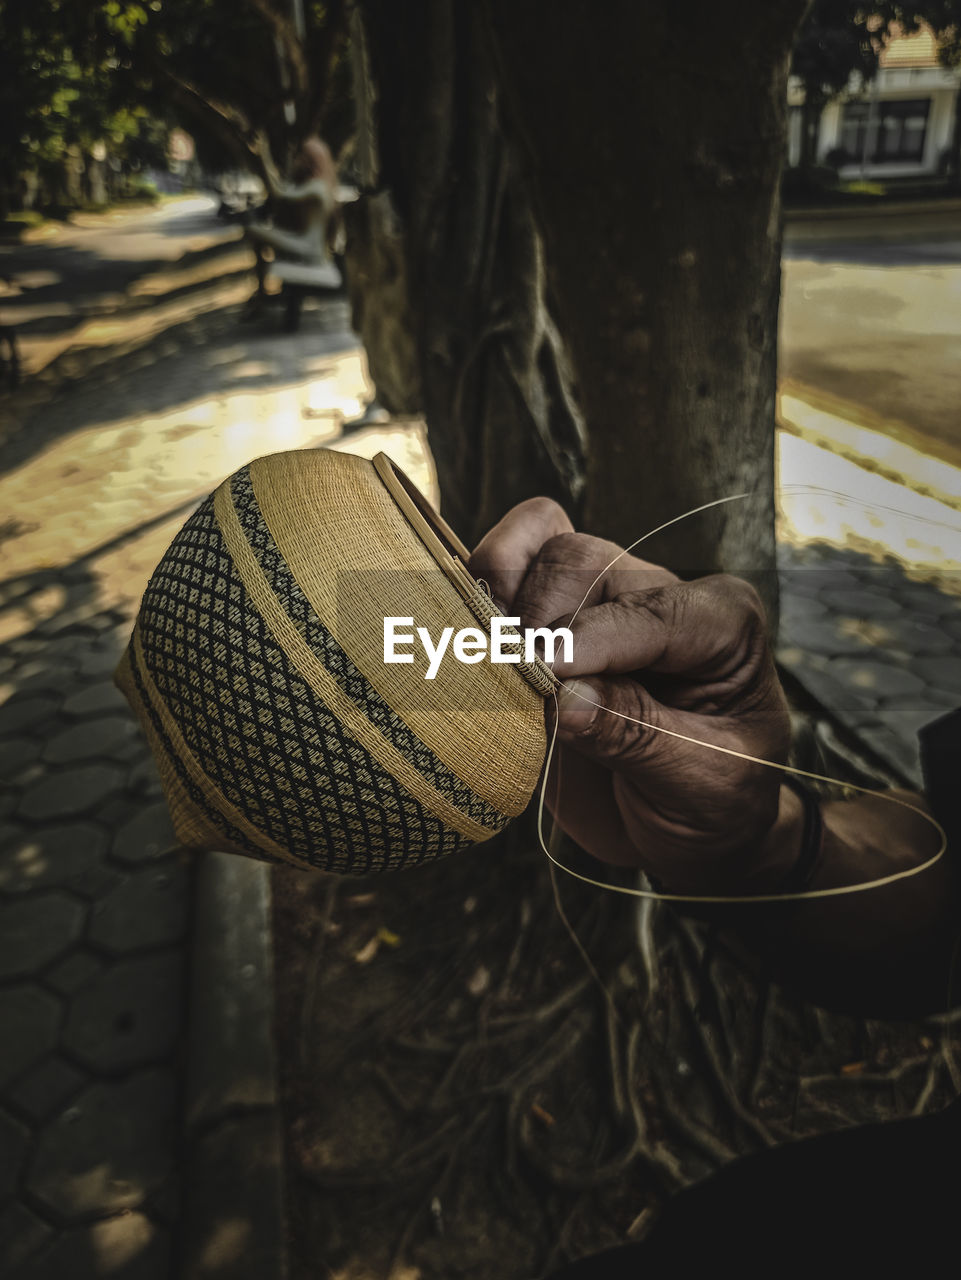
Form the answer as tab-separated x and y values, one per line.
829	499
874	444
870	575
118	492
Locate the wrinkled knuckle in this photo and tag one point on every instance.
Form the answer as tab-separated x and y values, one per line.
741	596
546	510
651	601
622	739
634	612
617	737
565	551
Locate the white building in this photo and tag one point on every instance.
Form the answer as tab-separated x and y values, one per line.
900	125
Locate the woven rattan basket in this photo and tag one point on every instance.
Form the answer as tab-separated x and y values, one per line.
256	667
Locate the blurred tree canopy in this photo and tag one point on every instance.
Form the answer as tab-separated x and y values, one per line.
58	94
80	77
841	39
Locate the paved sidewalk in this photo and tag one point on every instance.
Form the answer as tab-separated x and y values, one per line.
870	573
93	918
94	899
880	652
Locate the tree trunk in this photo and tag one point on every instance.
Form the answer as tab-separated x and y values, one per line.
493	381
655	147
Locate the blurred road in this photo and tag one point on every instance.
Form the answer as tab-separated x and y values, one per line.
52	286
871	323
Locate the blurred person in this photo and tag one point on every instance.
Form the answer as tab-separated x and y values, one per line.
305	217
694	658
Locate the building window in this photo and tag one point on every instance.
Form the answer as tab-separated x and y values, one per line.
885	132
854	123
901	130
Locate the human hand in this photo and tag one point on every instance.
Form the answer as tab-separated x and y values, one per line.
691	658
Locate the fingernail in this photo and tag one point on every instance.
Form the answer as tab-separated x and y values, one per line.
576	706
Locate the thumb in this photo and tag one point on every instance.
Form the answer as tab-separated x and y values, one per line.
598	718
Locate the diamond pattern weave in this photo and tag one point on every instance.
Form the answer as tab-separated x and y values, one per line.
260	734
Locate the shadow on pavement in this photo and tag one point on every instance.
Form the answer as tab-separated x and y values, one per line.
207	357
93	933
878	650
69	283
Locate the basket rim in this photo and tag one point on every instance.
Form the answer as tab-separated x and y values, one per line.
452	557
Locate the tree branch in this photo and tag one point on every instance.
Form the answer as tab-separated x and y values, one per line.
228	123
285	31
323	55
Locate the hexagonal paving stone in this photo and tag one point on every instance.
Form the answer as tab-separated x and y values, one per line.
74	619
915	637
794	606
799	583
15	753
74	971
97	699
109	1150
29	1018
10	832
128	1246
861	603
21	1234
128	1016
816	673
100	659
143	781
26	713
921	597
29	775
14	1138
71	793
35	930
60	651
147	835
148	910
47	1087
876	681
941	673
821	635
831	577
49	678
69	856
108	736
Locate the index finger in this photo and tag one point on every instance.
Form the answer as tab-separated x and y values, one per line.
503	556
704	630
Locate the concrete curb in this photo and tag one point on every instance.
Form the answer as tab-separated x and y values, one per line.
878	209
234	1224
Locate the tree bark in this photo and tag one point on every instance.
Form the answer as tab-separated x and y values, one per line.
655	147
493	381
